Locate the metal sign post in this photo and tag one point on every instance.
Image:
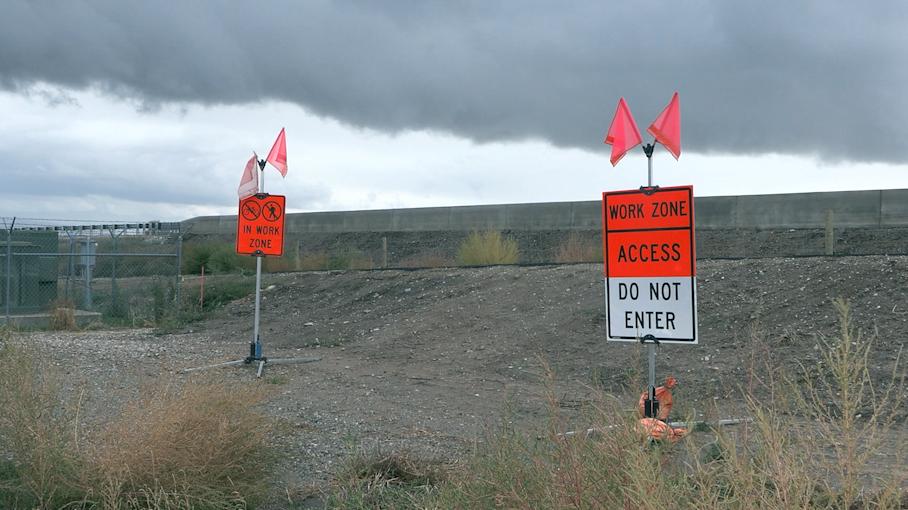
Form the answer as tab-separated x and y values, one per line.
255	346
651	407
260	233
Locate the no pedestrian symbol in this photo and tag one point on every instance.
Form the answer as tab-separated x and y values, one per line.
650	266
260	225
272	210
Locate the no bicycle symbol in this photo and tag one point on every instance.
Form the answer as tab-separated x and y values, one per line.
260	225
251	211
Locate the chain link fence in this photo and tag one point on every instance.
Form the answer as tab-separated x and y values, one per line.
119	272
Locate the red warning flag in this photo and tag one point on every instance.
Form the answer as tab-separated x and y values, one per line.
667	127
249	183
278	155
623	134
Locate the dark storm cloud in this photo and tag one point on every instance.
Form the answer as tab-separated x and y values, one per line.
816	78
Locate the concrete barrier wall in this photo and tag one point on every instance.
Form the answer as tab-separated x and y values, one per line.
877	208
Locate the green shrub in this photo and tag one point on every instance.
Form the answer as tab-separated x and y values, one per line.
487	248
196	255
216	257
221	290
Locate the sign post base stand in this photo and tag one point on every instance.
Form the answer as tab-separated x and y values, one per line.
261	363
255	346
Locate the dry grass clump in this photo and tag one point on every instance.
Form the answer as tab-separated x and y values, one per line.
39	464
386	480
576	249
198	447
62	315
202	446
850	414
487	248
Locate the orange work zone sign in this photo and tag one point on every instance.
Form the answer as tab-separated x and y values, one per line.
260	225
650	265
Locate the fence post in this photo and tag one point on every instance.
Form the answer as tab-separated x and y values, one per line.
384	252
179	268
9	260
830	233
87	258
114	292
71	269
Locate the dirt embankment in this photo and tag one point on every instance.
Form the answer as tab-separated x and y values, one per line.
479	322
424	360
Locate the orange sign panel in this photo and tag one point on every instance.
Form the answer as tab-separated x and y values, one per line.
260	225
649	234
635	210
650	265
650	253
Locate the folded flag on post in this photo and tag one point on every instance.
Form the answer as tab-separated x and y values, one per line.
278	155
623	134
249	183
667	127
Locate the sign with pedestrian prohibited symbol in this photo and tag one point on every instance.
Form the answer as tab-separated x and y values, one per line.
260	225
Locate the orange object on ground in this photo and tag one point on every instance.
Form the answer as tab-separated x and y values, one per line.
663	395
660	431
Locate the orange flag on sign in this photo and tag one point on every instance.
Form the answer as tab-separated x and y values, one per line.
249	183
667	127
278	155
623	134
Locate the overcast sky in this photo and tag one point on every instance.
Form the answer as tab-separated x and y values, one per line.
127	110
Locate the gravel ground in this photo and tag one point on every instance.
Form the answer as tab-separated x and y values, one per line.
427	360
